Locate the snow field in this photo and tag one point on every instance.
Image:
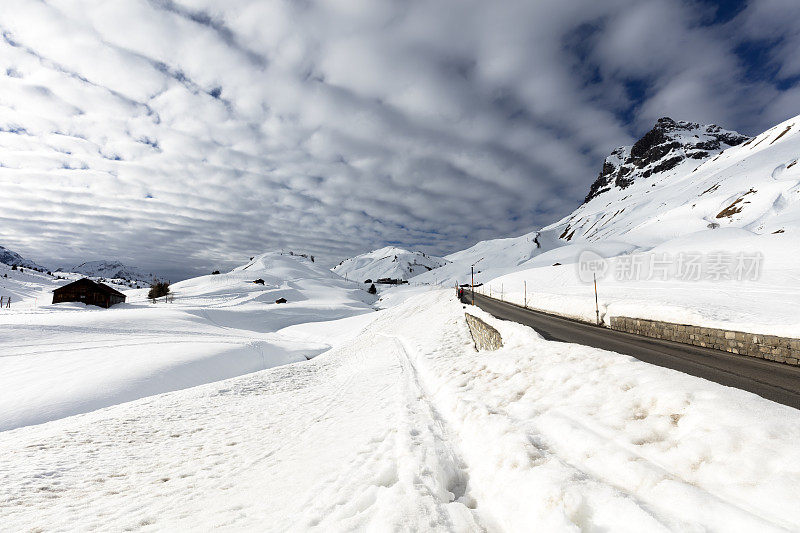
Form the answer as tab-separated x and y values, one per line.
340	442
404	425
65	359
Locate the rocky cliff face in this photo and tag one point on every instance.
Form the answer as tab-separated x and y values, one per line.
661	149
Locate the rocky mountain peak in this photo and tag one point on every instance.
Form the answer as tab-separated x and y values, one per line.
661	149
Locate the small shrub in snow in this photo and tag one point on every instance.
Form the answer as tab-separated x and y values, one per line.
158	289
372	289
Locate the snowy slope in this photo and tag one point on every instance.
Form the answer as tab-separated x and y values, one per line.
754	185
388	262
8	257
28	287
685	192
111	270
63	359
496	257
404	426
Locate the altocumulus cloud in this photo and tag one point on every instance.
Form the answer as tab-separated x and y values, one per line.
180	135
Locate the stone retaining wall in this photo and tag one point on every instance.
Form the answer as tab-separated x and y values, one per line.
484	335
781	349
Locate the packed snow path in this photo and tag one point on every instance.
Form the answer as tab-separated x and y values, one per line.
405	426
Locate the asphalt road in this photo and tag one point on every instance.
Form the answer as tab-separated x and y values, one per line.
775	381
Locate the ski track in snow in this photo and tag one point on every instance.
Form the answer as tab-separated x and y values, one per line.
405	426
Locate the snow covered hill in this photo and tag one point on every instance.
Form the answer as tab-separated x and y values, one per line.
11	258
111	270
68	358
696	224
753	185
388	262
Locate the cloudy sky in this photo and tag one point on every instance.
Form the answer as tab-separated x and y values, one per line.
182	135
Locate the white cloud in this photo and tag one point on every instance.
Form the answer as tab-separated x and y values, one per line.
184	135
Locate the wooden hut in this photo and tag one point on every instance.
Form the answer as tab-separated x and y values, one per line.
88	292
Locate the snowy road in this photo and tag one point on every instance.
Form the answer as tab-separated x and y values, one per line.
774	381
406	426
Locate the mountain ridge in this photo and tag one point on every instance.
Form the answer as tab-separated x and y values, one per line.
681	178
661	149
12	258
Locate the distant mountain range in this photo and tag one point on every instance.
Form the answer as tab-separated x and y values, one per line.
111	270
14	259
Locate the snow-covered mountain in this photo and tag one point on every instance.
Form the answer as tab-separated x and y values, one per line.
388	262
681	179
111	270
696	225
14	259
662	149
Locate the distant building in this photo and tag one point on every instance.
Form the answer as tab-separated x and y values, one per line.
391	281
88	292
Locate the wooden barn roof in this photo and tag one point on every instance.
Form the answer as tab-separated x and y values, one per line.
95	285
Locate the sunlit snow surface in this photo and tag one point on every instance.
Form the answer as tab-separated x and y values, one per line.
403	425
63	359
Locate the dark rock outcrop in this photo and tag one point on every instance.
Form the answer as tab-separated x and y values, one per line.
660	150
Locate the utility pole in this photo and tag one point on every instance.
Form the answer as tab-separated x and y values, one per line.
596	306
472	271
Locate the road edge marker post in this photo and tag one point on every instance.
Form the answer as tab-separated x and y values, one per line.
525	294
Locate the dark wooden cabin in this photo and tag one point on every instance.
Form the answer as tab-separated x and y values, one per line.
88	292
